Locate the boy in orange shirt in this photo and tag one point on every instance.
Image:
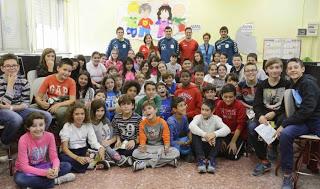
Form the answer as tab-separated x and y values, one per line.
154	139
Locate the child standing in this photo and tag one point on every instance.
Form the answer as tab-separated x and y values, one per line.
128	72
126	127
233	114
74	137
111	95
212	73
206	130
37	162
180	135
151	94
267	107
190	93
165	109
154	139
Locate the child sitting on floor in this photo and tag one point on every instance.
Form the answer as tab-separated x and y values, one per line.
154	139
37	163
207	130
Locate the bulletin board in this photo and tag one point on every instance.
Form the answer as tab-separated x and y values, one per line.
282	48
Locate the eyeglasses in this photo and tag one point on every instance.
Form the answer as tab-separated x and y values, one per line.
254	70
11	66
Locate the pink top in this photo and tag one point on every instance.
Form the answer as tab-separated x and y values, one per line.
32	152
117	64
129	76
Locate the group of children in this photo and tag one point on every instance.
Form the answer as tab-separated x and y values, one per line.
149	113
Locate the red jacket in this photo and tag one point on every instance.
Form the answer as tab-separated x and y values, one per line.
192	97
234	116
187	49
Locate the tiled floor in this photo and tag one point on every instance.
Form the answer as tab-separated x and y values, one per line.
230	174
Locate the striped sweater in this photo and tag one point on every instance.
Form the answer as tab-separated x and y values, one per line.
20	94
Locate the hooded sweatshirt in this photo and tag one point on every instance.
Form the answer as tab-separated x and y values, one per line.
192	97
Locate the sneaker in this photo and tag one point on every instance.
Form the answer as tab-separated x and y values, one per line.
123	160
65	178
288	182
211	167
261	168
138	165
272	153
129	160
104	164
201	166
174	163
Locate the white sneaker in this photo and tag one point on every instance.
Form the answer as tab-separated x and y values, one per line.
65	178
138	165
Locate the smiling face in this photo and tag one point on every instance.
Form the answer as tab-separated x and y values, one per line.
198	77
197	57
126	108
223	33
206	39
95	59
132	92
188	33
149	112
109	84
210	94
83	80
154	63
148	39
131	54
99	113
295	70
222	71
64	71
114	54
120	33
37	128
216	57
250	72
150	91
274	70
162	68
228	98
213	70
168	81
10	67
129	66
78	116
168	33
186	65
236	61
100	95
223	59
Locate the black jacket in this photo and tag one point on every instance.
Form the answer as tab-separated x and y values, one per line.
309	91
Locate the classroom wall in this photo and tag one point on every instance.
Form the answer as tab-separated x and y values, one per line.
92	24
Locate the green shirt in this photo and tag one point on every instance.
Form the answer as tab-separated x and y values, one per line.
156	100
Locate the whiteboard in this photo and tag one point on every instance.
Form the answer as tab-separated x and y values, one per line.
283	48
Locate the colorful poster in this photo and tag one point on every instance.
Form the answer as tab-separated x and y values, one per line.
139	18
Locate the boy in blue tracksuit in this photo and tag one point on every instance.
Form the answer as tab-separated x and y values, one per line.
226	44
206	49
168	45
120	43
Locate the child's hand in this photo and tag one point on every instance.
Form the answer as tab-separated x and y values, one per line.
55	172
81	160
166	149
142	148
118	144
130	145
270	115
102	153
212	142
45	105
54	108
263	120
50	174
232	148
278	132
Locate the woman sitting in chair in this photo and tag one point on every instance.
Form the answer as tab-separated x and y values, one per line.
304	120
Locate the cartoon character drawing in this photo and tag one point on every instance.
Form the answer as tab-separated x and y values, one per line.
132	20
178	19
164	19
145	22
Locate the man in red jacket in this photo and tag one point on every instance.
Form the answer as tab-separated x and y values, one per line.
188	46
190	93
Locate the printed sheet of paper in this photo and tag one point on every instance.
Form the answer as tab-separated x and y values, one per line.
266	132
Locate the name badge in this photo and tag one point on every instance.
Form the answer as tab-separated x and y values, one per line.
124	46
172	46
227	45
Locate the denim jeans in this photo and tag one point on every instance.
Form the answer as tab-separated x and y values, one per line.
76	166
12	121
24	180
287	136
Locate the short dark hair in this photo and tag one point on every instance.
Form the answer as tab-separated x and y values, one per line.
224	28
65	61
173	55
185	71
206	34
149	83
168	28
210	103
119	28
232	76
149	103
249	64
72	108
227	88
297	60
125	99
28	122
140	55
209	87
129	84
237	55
176	101
253	55
166	75
221	65
94	53
224	54
199	68
188	28
95	105
8	56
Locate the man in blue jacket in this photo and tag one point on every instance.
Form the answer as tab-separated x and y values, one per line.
120	43
226	44
168	45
